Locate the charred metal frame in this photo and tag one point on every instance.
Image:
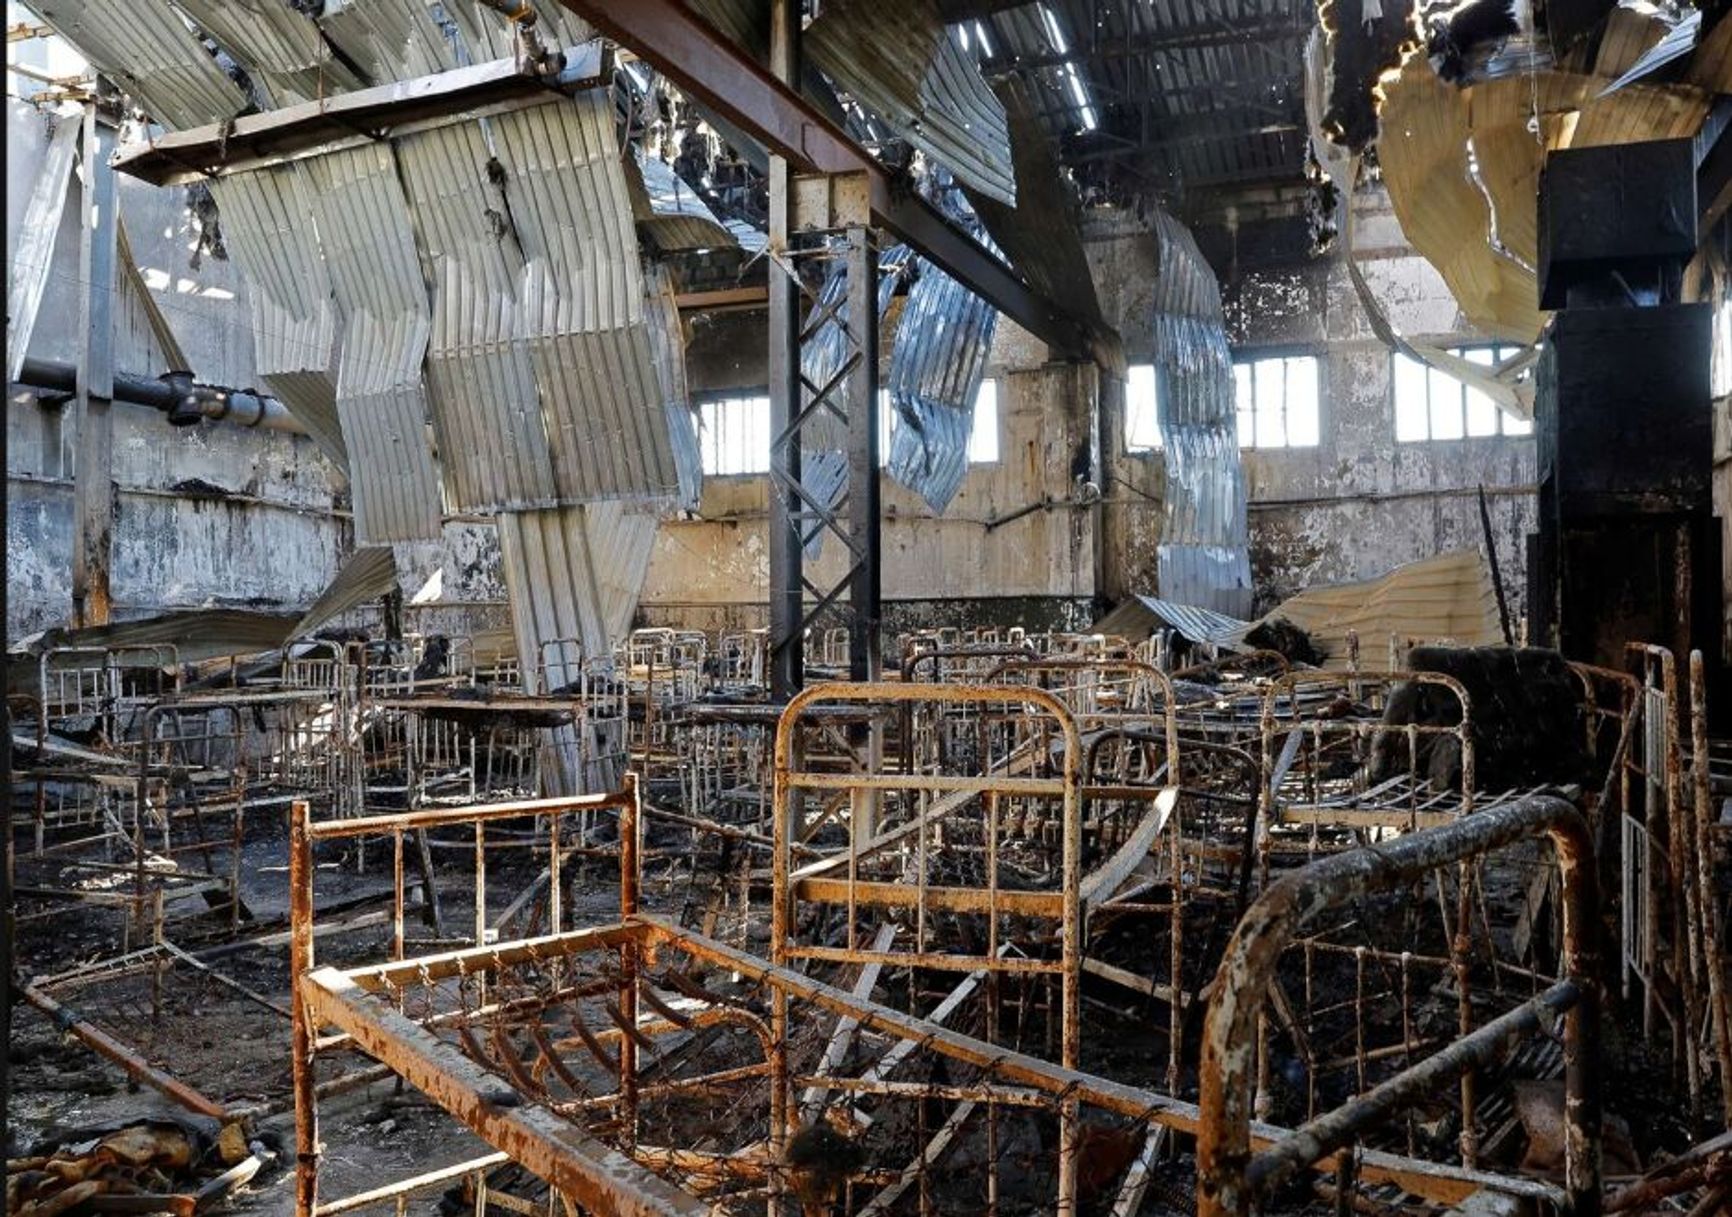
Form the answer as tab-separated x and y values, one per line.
304	833
799	513
1298	707
1718	1016
1070	906
1230	1177
614	1178
1655	861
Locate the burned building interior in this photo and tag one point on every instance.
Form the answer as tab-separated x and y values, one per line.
868	609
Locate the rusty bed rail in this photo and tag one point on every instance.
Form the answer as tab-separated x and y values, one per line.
1310	719
1230	1178
304	833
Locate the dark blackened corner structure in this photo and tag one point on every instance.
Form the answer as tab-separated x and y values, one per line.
1628	547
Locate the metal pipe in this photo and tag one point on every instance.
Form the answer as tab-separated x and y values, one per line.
135	1066
184	400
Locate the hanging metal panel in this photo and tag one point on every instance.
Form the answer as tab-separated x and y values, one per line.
369	249
900	62
668	350
145	47
269	231
276	43
606	419
942	343
33	257
581	300
574	573
1204	556
481	386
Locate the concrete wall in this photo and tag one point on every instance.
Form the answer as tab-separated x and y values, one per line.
207	515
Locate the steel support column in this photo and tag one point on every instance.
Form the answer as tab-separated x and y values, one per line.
787	568
93	477
865	656
842	398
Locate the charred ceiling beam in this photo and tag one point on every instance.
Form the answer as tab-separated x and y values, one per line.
1208	127
714	72
360	117
1251	31
971	10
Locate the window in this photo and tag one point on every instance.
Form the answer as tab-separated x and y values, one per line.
982	438
1142	409
1277	400
1433	405
734	433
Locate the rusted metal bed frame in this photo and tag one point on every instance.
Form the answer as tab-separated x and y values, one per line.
1660	917
1148	809
1296	794
1231	1178
605	1168
305	834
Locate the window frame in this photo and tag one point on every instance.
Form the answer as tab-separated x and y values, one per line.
709	447
1251	359
1504	419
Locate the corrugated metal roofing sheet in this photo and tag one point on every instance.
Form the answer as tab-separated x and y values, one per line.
668	349
1167	66
1203	556
582	301
670	215
486	34
369	249
269	231
543	386
146	47
1141	616
1040	234
900	62
1448	598
367	575
480	377
33	257
389	39
281	49
573	573
942	342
